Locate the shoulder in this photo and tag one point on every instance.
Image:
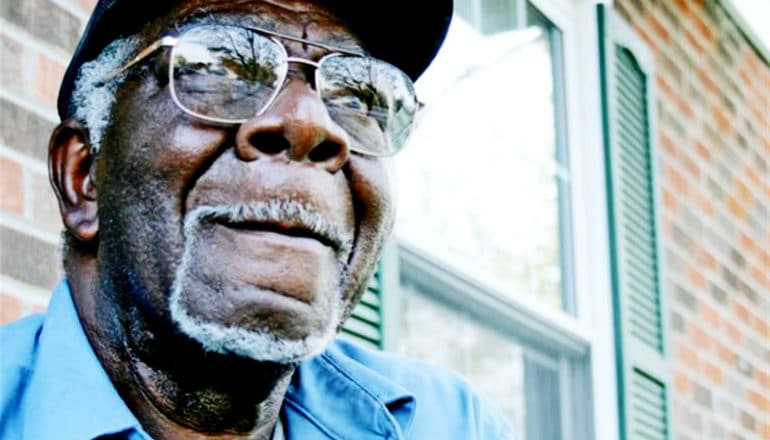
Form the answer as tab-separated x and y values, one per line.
18	342
415	376
440	394
18	349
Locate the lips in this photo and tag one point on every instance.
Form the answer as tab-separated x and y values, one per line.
284	228
285	217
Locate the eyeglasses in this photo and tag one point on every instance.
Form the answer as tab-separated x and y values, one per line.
225	75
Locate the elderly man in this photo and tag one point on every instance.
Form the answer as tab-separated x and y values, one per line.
223	176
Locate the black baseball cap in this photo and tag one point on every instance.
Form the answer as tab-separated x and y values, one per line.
405	33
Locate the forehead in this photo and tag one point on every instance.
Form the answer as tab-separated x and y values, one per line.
304	19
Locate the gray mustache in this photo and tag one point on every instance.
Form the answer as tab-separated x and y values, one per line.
284	211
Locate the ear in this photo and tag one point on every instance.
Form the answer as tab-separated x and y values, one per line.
69	169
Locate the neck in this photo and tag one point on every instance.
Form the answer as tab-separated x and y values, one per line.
173	386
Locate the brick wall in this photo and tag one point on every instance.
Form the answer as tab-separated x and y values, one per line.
36	40
714	136
714	133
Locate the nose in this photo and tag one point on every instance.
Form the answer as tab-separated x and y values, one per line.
298	126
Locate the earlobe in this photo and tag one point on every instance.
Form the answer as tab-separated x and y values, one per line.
69	169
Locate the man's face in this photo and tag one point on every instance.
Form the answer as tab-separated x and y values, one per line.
253	240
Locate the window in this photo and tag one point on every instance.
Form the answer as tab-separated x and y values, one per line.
485	182
488	188
501	267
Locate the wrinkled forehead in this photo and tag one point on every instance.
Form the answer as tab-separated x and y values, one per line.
303	19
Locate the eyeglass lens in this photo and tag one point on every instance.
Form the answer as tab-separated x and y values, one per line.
228	74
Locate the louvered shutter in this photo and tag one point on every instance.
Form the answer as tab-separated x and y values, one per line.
372	321
365	325
628	105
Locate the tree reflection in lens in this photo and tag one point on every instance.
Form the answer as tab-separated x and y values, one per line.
226	72
361	92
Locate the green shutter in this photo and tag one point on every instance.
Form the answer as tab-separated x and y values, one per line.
365	324
628	105
373	321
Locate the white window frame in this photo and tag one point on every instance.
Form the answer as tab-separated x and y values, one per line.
584	340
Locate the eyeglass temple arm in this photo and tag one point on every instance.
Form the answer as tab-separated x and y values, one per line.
167	41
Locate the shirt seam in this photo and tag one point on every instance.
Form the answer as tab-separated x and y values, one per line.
376	397
327	431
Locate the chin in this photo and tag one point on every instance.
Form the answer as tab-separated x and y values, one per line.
266	326
255	344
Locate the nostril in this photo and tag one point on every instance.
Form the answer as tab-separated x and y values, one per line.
325	151
269	143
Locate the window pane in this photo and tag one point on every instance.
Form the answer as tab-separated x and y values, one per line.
482	180
523	386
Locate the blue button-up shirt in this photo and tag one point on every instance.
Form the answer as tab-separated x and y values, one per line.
52	386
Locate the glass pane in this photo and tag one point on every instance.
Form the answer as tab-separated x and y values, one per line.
484	172
526	391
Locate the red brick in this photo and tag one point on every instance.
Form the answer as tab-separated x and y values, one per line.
706	206
750	59
677	182
747	243
741	312
695	277
691	166
744	194
699	337
761	327
736	208
646	37
745	77
682	384
667	144
658	28
707	82
49	76
760	277
683	6
763	379
759	401
751	173
669	201
735	335
702	151
722	120
703	28
724	353
664	87
684	107
11	186
714	373
764	431
699	49
10	308
710	315
759	115
688	357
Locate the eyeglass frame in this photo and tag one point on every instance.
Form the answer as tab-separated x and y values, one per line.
170	41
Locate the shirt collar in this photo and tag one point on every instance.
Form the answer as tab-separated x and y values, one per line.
348	398
70	385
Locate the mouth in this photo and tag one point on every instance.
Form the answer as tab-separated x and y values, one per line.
288	218
283	228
